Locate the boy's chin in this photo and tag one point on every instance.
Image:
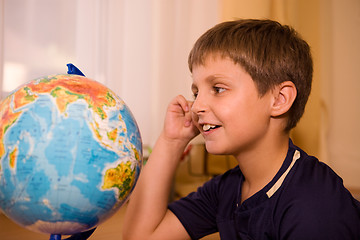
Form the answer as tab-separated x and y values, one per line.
215	149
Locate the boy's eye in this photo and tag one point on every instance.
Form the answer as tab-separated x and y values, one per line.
219	89
195	94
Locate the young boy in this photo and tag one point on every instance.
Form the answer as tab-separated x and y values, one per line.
251	81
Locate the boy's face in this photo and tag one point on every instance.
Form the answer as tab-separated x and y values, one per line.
227	108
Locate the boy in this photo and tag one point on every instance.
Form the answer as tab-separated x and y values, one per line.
251	81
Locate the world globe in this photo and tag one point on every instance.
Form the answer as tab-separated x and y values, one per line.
70	154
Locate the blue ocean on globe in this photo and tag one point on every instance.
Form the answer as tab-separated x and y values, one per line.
71	153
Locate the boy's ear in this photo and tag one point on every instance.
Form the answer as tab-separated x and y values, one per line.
284	97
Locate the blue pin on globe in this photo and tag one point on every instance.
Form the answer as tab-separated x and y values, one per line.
70	154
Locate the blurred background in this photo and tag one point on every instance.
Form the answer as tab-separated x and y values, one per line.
139	49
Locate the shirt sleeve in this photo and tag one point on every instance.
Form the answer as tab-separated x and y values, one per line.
197	211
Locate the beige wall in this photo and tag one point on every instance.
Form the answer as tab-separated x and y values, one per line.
340	51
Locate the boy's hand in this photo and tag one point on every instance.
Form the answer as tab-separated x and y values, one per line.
178	121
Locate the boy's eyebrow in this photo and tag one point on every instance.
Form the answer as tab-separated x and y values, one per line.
215	77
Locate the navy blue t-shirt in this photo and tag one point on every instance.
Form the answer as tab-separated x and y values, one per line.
305	200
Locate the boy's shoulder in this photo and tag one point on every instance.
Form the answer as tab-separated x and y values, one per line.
309	175
314	197
311	178
315	184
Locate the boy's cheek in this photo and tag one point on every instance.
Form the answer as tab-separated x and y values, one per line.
195	121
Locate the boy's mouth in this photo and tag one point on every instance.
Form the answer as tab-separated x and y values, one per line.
208	127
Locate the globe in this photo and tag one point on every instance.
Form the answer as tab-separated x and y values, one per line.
70	154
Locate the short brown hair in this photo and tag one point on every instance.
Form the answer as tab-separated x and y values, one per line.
270	52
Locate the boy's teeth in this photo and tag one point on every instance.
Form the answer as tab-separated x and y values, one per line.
206	127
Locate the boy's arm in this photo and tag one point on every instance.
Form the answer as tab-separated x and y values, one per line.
147	215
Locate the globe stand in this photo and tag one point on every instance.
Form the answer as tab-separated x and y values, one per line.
55	237
77	236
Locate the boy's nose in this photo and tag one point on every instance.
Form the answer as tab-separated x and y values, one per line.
199	105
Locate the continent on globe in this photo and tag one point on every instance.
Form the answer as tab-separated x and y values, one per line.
70	154
120	177
12	157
